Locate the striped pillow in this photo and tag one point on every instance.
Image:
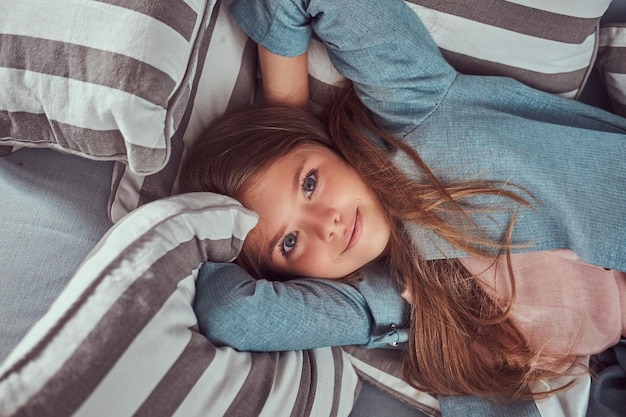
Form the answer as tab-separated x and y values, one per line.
105	79
225	79
612	64
122	338
547	45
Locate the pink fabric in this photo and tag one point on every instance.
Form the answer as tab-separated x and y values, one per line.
563	305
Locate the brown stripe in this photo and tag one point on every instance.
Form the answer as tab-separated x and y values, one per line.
174	13
256	389
86	64
308	385
518	18
246	79
174	387
338	381
38	129
161	184
553	83
612	59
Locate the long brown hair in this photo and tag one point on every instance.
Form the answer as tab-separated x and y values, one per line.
460	341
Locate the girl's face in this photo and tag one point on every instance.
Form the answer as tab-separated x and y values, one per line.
317	217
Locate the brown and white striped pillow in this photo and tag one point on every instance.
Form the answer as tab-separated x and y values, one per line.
122	339
225	79
104	79
547	45
612	64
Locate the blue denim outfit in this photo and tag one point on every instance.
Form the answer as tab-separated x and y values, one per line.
570	157
237	310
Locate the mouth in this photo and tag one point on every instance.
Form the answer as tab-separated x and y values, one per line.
355	232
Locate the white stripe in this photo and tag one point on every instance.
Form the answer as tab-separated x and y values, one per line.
570	94
616	86
199	5
325	385
142	366
215	391
287	379
350	379
572	402
395	384
576	8
320	66
613	36
504	46
99	25
84	105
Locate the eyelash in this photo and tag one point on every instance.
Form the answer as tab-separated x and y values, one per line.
281	243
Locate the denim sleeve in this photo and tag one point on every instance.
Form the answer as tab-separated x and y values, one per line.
381	45
236	310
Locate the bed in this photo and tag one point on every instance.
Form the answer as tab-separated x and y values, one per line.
98	255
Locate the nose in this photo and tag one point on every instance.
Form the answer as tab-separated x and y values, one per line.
324	222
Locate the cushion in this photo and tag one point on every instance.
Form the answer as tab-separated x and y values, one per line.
122	337
225	79
547	45
611	63
103	79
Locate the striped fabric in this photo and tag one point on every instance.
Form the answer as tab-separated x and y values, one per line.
549	45
122	338
612	64
105	79
224	79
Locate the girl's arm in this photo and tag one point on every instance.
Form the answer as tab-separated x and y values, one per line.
236	310
285	79
381	45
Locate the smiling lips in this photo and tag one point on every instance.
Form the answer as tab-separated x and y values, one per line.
355	233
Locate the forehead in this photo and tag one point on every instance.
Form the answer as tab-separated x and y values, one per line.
285	167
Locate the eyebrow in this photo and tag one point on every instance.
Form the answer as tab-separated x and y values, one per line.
295	187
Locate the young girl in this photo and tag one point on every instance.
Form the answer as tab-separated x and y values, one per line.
497	206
